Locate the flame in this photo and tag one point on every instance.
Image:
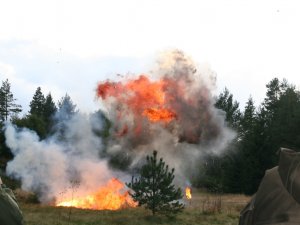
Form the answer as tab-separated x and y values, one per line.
107	197
142	96
188	193
155	114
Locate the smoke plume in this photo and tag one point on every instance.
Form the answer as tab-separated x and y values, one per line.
53	166
170	110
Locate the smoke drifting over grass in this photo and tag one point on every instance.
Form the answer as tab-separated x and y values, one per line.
51	166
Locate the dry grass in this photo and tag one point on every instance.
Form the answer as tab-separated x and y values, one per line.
226	203
203	209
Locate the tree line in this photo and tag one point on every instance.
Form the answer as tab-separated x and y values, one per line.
260	132
40	118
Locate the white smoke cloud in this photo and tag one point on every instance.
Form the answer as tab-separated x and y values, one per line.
49	167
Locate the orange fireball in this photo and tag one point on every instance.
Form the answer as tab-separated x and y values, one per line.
156	115
141	96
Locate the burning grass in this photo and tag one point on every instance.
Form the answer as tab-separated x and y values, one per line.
108	197
195	213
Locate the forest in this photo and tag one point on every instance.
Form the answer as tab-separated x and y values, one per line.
260	132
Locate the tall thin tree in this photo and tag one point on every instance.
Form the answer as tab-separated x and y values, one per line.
8	107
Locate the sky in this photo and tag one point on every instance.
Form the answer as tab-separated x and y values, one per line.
68	46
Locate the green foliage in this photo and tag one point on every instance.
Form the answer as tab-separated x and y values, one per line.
42	107
247	121
287	120
272	95
8	110
218	173
280	120
37	103
33	122
66	107
49	107
100	118
41	113
230	107
245	158
260	133
49	112
8	107
66	110
154	187
4	150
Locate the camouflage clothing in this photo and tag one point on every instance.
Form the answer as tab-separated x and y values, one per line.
10	213
277	201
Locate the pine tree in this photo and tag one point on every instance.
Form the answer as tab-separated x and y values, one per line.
7	102
286	125
248	118
49	112
263	133
65	112
33	122
37	103
220	173
49	107
40	114
271	108
66	108
272	95
248	150
154	187
230	107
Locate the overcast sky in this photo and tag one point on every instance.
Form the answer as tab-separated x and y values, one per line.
68	46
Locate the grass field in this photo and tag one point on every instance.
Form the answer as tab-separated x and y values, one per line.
203	209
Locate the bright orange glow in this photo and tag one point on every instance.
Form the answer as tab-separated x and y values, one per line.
107	197
174	97
188	193
156	115
142	97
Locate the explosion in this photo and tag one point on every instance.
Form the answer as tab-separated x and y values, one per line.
170	110
179	101
107	197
